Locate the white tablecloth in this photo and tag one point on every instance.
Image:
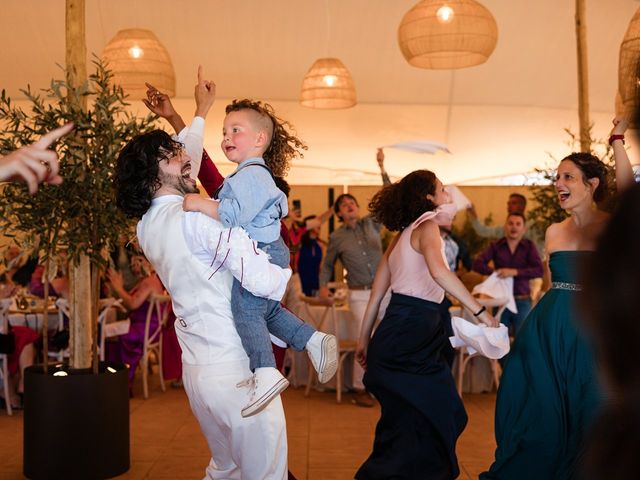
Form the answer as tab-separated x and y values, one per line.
32	320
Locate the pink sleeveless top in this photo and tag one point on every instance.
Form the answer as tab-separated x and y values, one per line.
409	272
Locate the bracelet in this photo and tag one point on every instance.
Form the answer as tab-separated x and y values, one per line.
480	311
613	138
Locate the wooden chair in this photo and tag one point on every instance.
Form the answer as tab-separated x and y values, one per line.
463	358
327	322
158	304
105	306
62	304
5	304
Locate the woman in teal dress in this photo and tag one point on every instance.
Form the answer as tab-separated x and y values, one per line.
549	393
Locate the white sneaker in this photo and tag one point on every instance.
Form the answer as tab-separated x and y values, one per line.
266	384
322	349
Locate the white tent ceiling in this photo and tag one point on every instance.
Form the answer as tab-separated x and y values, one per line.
498	118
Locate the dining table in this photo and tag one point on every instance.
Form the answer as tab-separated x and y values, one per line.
31	314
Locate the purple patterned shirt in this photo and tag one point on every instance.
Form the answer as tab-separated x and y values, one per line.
525	258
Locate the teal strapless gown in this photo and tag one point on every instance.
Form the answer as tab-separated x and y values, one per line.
548	395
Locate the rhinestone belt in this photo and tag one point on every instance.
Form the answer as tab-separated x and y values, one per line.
566	286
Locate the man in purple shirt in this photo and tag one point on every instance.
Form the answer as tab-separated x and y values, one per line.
517	257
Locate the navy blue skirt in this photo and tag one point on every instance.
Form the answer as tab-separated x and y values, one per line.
422	415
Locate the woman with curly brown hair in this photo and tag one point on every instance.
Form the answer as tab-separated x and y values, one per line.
422	414
261	145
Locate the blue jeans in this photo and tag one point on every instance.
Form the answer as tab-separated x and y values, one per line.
514	321
256	317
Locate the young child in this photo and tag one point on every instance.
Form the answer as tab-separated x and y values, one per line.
258	141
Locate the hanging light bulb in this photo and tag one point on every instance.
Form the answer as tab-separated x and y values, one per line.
445	14
329	80
136	52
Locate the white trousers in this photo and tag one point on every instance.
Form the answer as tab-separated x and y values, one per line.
358	300
253	448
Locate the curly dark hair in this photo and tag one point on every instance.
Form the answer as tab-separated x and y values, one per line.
396	206
591	167
137	170
283	144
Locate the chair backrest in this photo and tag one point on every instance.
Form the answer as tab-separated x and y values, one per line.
105	305
5	305
324	318
340	291
158	305
63	309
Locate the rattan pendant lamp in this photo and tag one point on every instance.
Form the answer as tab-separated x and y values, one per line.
136	56
447	34
328	83
629	70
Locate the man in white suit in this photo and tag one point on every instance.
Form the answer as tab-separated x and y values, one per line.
196	259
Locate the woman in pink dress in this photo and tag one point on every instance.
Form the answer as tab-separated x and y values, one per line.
422	415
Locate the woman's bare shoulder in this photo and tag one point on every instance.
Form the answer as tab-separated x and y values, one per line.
556	229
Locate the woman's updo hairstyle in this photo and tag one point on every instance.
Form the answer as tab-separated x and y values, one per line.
591	167
398	205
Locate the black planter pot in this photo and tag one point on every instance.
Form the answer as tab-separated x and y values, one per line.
76	426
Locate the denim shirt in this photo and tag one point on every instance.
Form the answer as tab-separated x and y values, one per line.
250	199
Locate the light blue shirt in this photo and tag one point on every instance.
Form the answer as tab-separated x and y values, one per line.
250	199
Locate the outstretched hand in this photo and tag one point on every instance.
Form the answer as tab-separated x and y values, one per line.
620	125
115	278
380	158
35	163
159	103
205	94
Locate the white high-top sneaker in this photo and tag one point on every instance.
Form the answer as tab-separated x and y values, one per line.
266	384
322	349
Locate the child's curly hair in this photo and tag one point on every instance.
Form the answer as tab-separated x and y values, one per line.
283	144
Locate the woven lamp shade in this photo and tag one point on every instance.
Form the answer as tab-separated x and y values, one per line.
439	34
328	84
629	71
136	56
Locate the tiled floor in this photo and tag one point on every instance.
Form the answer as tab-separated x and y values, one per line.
327	441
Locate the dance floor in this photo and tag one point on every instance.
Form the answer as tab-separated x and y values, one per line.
327	441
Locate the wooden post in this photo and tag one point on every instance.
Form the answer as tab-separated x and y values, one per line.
80	302
583	76
76	44
80	341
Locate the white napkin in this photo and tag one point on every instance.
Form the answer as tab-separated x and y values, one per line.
419	146
490	342
457	197
113	329
496	287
